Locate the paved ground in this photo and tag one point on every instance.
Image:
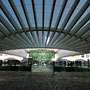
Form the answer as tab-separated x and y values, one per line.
13	80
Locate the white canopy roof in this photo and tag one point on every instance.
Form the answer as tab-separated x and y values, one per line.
24	52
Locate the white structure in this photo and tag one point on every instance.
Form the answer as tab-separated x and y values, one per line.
59	53
6	56
84	57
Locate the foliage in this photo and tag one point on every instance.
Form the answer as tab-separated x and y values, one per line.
41	55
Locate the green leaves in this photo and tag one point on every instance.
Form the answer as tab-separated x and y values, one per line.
41	55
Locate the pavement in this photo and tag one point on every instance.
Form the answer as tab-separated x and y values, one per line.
24	80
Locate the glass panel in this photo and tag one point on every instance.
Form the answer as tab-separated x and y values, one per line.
19	8
88	38
87	34
48	8
85	13
38	7
26	38
1	34
40	36
56	12
12	38
4	29
50	33
35	35
45	35
30	12
32	38
58	6
66	10
9	41
59	39
39	19
81	31
6	3
53	38
19	37
80	5
1	12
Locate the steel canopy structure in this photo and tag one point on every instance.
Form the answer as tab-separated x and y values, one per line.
59	24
